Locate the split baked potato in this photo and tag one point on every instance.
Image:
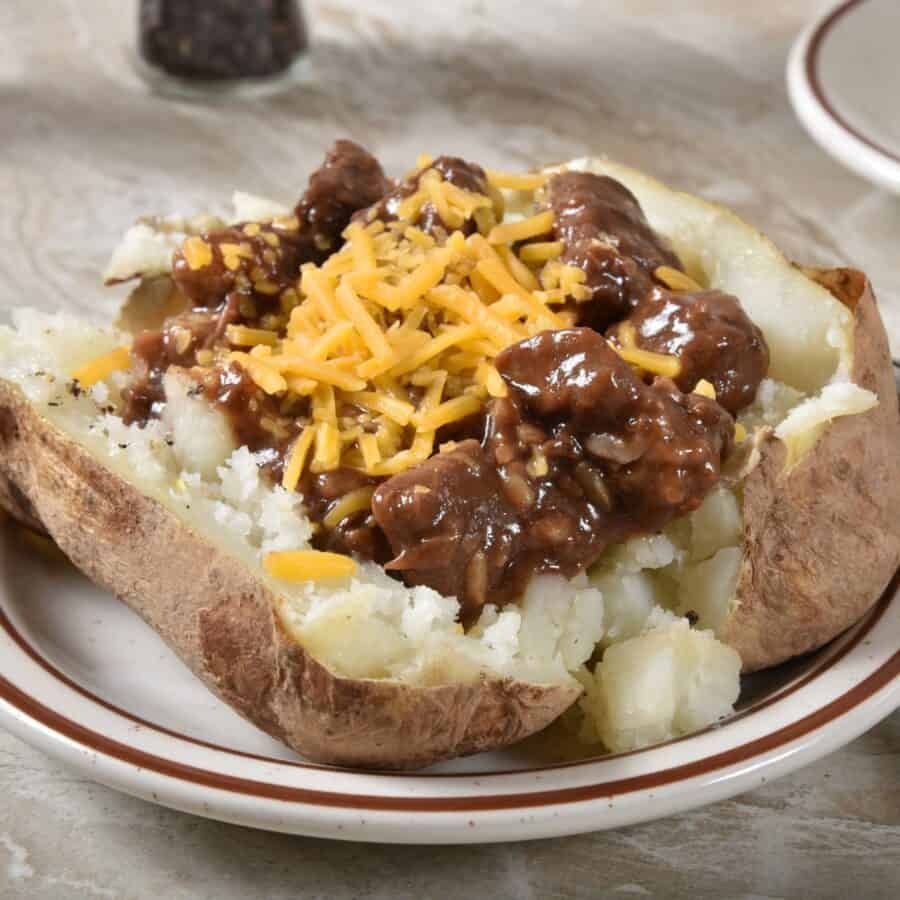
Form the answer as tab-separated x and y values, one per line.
793	545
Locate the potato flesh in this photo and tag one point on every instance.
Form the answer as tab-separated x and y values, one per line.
670	680
202	437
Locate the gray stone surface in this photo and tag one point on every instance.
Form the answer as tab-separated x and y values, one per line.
691	91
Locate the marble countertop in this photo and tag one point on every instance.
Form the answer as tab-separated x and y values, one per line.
692	92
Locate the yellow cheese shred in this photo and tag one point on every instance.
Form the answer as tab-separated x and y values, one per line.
535	226
102	367
656	363
327	452
353	502
541	251
396	410
197	253
675	279
242	336
297	459
447	412
705	389
352	307
325	372
516	182
308	565
499	276
371	453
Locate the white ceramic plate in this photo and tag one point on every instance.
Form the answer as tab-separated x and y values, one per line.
84	680
844	84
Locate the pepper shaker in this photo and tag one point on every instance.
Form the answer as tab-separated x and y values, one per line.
208	47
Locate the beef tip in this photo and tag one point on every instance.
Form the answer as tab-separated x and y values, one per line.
573	376
686	437
465	175
349	179
468	176
712	337
658	451
257	261
252	262
449	525
605	234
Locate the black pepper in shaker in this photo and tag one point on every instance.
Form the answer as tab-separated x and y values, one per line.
221	41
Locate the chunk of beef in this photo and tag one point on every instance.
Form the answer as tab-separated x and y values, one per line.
465	175
450	525
350	179
152	352
605	234
711	335
259	260
658	451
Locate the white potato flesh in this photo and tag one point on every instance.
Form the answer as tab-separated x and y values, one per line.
202	436
253	208
706	588
715	524
666	682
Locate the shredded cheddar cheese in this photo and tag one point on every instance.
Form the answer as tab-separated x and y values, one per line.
241	336
541	251
516	182
655	363
308	565
197	253
353	502
102	367
705	389
297	458
676	280
535	226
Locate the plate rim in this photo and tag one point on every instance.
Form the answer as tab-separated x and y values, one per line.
334	813
817	113
859	629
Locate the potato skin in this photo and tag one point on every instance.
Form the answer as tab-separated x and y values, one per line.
221	620
822	539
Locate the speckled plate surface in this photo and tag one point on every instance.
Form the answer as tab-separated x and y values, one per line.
844	79
84	680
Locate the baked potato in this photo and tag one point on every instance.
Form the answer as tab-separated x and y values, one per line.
793	541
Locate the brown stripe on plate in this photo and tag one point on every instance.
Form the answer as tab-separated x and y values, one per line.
108	747
102	744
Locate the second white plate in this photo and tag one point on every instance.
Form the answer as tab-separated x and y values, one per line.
844	84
